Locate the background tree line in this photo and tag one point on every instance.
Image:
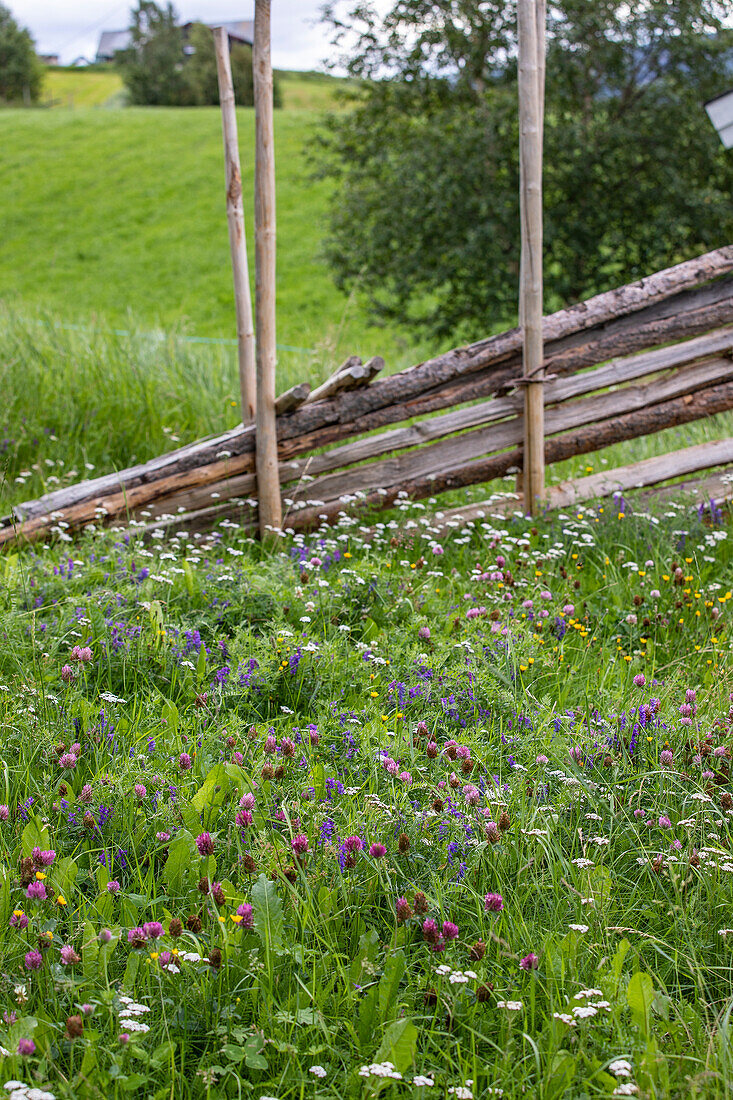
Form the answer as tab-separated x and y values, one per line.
426	217
21	72
164	67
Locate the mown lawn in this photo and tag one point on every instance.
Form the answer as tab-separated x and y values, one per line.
108	214
426	815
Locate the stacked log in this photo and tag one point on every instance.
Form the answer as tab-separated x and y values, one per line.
458	448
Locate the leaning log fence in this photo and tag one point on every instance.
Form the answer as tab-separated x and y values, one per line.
631	362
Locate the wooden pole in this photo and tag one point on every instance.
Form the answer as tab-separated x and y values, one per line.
531	36
237	238
268	478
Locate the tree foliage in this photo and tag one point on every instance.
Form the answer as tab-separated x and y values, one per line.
162	68
152	65
426	214
21	73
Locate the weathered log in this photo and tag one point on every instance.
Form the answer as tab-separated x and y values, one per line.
349	376
436	458
681	410
292	398
717	487
404	395
639	474
457	448
615	372
669	414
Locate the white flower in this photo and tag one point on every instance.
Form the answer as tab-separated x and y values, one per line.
317	1071
510	1006
380	1069
628	1088
461	1093
587	993
564	1018
581	862
620	1068
584	1012
423	1082
442	970
578	927
135	1025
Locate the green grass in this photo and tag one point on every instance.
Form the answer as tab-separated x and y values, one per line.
244	726
72	88
120	213
103	87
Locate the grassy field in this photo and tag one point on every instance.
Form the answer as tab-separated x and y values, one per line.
71	88
420	817
119	213
417	815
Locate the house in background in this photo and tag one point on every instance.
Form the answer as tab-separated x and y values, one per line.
110	42
49	58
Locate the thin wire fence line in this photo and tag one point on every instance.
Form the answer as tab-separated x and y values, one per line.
159	336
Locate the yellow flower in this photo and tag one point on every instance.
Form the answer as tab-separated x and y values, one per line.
235	917
153	955
61	900
40	876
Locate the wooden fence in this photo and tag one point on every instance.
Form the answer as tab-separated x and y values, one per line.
665	349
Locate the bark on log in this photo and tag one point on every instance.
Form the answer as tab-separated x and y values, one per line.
348	377
681	410
446	454
292	399
443	453
640	474
686	314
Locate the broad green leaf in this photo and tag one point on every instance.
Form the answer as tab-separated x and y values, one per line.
389	983
35	835
133	965
90	952
201	666
367	952
640	995
182	859
619	958
398	1045
562	1071
190	818
63	876
268	913
213	790
368	1017
319	781
169	716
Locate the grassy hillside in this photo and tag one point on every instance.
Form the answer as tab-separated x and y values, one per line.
103	88
81	87
107	213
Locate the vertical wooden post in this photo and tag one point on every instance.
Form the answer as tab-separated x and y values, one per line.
268	477
237	238
531	36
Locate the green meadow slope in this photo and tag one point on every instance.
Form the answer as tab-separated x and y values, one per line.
119	213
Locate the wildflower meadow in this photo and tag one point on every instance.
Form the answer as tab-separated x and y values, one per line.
394	809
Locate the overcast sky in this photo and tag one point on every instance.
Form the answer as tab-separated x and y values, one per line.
72	27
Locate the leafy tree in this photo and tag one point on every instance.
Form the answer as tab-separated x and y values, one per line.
21	73
425	217
161	68
152	66
200	70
